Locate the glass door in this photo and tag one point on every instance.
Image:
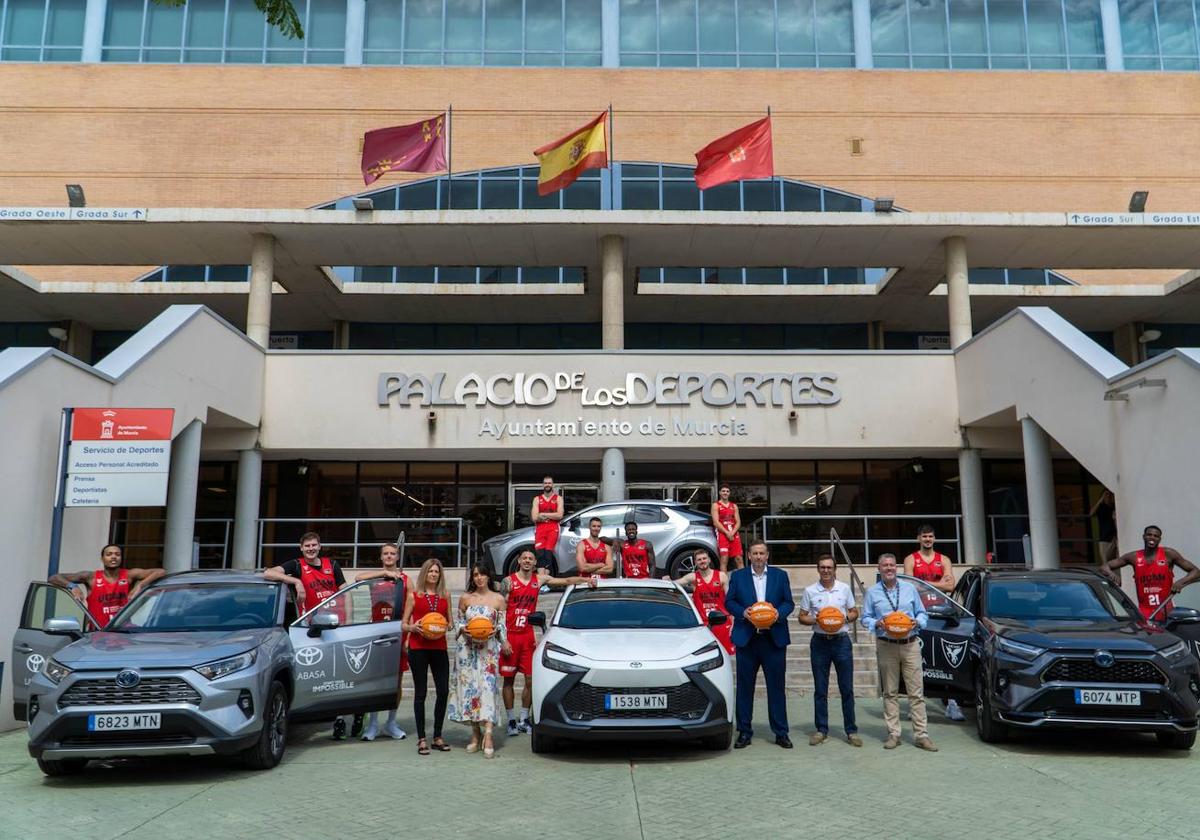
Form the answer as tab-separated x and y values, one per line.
576	496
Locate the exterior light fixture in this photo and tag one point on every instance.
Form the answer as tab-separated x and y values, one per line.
1149	335
885	205
57	333
75	196
1137	201
363	204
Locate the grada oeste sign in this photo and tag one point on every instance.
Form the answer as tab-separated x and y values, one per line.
538	389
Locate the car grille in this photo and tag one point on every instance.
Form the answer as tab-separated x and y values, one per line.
152	691
1087	671
586	702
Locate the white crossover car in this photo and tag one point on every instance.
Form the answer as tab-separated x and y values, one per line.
630	660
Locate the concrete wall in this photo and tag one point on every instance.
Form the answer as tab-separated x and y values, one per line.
874	413
187	359
249	136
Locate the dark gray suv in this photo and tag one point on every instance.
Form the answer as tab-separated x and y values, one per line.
199	663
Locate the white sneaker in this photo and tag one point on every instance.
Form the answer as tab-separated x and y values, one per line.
393	730
523	726
953	712
371	732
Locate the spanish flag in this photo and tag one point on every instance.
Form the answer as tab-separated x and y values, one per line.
563	160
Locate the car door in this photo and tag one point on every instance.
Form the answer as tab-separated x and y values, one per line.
351	667
945	644
32	646
612	517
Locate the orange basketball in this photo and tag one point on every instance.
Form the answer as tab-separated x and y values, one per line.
480	629
763	614
830	619
897	625
433	625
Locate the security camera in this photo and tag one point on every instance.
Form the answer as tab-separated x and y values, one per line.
792	415
432	416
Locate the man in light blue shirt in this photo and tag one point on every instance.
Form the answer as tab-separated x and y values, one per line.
898	657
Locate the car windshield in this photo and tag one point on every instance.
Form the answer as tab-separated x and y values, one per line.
1056	601
199	607
627	608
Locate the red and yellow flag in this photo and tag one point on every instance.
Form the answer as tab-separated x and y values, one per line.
420	147
563	160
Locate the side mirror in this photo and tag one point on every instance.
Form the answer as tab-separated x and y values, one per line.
944	612
537	619
1182	615
322	621
715	618
64	627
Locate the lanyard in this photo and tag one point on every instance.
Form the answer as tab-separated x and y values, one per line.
894	603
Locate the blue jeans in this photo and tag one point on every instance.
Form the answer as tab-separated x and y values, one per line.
839	652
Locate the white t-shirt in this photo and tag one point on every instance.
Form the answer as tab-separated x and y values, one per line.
817	597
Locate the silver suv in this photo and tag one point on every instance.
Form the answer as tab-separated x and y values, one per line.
199	663
674	530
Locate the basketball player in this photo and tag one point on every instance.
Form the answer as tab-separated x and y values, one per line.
593	556
384	598
1153	573
521	588
546	512
106	590
637	556
727	522
937	570
708	594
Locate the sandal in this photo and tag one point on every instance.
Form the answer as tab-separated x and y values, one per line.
440	745
489	748
422	747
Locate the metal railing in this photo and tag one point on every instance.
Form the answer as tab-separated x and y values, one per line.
1012	541
452	539
214	535
790	529
836	546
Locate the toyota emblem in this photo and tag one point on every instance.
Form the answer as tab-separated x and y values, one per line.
1104	659
128	678
309	656
635	664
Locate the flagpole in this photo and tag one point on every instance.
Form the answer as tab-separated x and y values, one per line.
449	157
774	183
612	162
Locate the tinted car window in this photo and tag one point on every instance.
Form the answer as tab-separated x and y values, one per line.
627	608
646	514
695	516
170	609
1055	600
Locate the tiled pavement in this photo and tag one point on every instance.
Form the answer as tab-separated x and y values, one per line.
1051	786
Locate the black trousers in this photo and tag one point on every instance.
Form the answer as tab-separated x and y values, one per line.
421	662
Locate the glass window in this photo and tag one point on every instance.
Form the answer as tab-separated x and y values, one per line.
1159	34
29	29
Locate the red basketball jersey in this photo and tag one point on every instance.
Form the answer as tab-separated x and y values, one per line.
928	570
594	553
106	598
635	559
1153	578
383	598
708	595
522	600
319	582
727	514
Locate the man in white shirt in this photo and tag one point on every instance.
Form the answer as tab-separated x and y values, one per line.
827	649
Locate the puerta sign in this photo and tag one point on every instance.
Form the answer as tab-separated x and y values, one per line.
537	389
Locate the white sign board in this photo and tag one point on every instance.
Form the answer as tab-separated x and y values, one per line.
1133	219
119	457
116	489
69	214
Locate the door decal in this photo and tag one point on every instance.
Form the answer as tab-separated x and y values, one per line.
357	656
953	651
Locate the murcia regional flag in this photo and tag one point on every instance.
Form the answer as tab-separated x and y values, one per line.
738	156
420	147
563	160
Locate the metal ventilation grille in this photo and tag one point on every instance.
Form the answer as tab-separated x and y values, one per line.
152	691
585	702
1087	671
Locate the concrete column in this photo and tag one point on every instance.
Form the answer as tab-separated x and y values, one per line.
958	290
245	517
612	292
262	274
341	335
974	523
612	475
356	26
610	33
1125	344
1039	487
79	341
1110	23
181	498
864	58
93	30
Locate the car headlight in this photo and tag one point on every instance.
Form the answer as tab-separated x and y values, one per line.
712	663
1018	649
1179	650
55	671
224	667
558	664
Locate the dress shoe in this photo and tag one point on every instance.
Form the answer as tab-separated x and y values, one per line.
742	741
853	740
925	743
892	742
816	739
784	741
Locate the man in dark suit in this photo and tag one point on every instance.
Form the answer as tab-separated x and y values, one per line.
760	648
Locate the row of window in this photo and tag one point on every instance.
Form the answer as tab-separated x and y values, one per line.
967	34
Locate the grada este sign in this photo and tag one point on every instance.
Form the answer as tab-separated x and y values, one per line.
535	389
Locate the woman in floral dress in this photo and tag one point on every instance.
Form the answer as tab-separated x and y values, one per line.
475	690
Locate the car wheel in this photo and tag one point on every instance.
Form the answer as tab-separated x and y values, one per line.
683	563
991	731
1176	740
540	743
268	749
719	743
62	766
